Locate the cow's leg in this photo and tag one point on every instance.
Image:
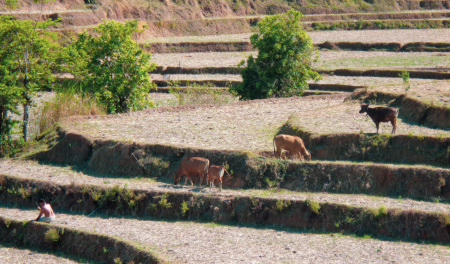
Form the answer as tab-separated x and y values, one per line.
378	126
190	178
300	156
278	153
220	185
394	125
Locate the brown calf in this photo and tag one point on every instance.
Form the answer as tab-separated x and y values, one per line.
381	114
216	173
293	144
192	166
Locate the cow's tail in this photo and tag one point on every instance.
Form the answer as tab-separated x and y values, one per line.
207	173
274	151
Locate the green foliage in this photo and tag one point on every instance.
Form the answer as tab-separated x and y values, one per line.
8	223
20	192
112	67
28	56
382	211
405	76
25	223
9	99
283	65
52	235
118	260
164	202
313	206
184	208
281	205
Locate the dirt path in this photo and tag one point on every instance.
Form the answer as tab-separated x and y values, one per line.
189	242
65	175
13	255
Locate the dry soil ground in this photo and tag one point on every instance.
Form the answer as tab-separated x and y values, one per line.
189	242
11	255
391	35
433	92
236	126
327	59
66	175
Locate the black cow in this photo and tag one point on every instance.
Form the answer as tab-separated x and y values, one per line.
381	114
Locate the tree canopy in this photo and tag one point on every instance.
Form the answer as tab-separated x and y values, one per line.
283	65
113	67
27	57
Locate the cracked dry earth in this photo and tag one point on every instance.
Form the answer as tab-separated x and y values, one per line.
189	242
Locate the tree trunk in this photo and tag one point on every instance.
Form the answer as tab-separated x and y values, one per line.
25	118
26	110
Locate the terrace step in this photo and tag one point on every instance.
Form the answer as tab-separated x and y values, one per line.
242	46
437	74
184	241
386	220
25	170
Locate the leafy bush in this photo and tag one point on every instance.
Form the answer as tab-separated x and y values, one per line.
112	67
313	206
52	235
184	208
283	65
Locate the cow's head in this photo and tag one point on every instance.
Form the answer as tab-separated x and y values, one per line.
364	108
176	179
308	156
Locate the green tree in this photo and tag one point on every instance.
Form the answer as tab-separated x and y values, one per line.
9	99
283	65
112	67
27	56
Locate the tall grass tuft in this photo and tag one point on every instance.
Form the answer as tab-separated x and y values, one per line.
67	104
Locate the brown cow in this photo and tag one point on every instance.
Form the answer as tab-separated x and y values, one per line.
192	166
216	172
292	144
381	114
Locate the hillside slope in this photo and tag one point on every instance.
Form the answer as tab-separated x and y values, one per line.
195	9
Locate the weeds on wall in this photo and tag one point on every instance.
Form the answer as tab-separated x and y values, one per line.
200	94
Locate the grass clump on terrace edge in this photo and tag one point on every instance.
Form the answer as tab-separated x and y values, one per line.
67	104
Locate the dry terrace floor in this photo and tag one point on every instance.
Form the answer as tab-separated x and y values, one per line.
237	126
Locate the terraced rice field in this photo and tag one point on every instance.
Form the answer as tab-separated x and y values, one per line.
250	126
237	126
392	35
9	254
184	242
66	175
327	59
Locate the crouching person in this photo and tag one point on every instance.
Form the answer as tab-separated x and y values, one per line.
46	210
